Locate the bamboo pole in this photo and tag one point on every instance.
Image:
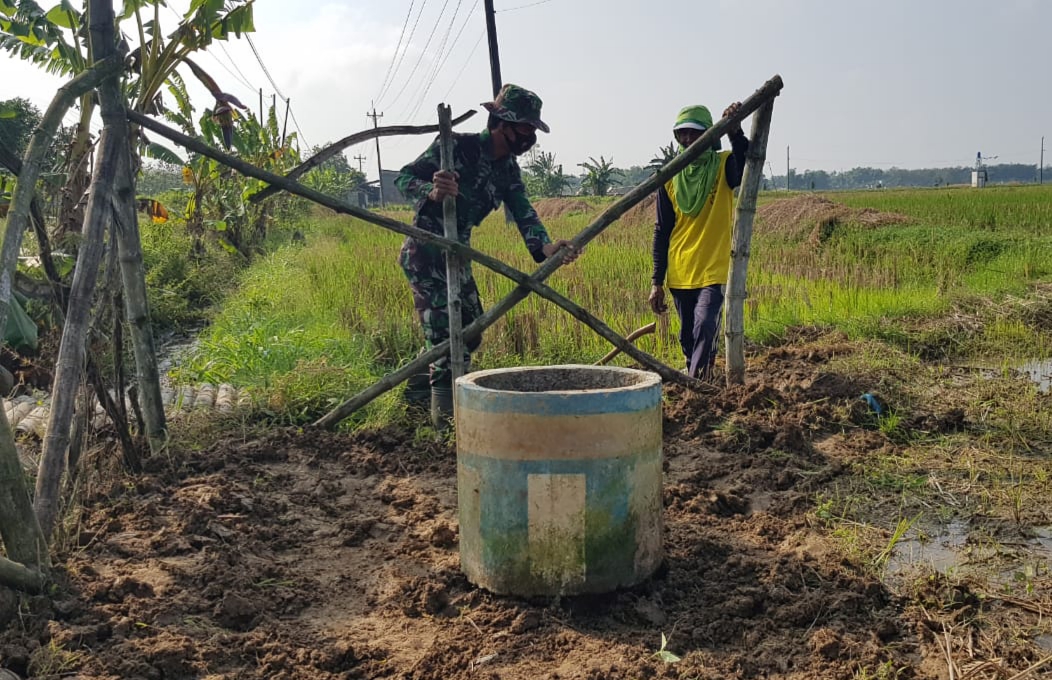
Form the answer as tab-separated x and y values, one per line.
454	307
526	283
464	251
14	166
136	306
357	138
743	221
71	354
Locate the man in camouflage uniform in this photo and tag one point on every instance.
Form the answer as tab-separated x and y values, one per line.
485	174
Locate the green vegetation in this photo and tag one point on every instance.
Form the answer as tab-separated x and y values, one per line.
955	250
953	276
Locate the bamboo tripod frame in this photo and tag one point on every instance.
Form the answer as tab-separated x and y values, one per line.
764	96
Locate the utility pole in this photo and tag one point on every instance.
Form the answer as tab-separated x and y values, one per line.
787	167
1041	165
360	159
285	127
379	166
494	56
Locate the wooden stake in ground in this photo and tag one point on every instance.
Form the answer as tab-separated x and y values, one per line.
743	220
137	309
454	308
71	354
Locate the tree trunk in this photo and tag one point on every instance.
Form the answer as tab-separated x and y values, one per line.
133	274
743	219
71	355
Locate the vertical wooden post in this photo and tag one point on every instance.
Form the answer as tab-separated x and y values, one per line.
133	275
453	264
743	219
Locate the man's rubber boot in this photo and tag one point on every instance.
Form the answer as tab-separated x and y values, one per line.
442	407
418	389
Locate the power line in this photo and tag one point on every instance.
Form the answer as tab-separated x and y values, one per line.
422	53
408	42
277	90
264	67
227	69
467	61
297	124
397	47
532	4
244	78
422	89
444	58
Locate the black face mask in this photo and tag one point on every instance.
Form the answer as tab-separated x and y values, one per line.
521	143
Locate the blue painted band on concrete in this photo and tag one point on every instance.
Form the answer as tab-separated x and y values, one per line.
610	540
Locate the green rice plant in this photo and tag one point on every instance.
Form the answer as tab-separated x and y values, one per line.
900	531
336	313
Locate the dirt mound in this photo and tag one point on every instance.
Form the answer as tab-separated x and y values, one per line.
295	555
552	208
643	212
817	217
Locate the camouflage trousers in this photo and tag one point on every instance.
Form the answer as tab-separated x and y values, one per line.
425	268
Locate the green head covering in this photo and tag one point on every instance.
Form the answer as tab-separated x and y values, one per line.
517	105
695	182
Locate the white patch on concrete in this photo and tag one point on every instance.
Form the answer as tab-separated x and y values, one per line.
646	505
556	506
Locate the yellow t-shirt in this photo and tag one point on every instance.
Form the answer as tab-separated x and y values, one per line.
699	248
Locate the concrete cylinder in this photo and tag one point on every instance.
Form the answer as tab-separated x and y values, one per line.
559	478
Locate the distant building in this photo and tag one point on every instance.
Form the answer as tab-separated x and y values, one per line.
391	193
368	195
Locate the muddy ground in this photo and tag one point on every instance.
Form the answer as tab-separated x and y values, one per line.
289	554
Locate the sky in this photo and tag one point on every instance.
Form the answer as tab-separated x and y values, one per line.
903	83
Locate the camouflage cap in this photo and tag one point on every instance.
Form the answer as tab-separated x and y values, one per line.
517	105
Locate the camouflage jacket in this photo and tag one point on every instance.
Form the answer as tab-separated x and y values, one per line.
484	184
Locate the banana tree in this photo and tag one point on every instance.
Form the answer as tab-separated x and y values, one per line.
664	155
56	40
599	176
547	174
218	203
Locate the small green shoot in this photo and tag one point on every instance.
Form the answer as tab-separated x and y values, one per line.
665	655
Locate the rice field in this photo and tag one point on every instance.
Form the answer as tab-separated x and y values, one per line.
310	324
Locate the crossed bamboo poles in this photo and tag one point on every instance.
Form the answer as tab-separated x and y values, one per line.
526	283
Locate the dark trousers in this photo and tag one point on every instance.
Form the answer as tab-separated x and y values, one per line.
700	311
425	268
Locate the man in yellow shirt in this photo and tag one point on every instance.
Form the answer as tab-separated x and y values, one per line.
692	237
